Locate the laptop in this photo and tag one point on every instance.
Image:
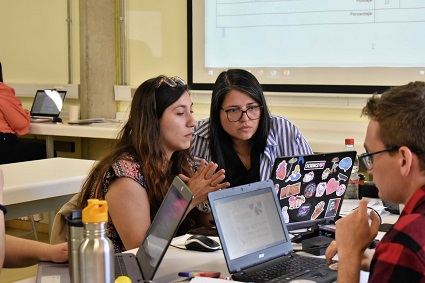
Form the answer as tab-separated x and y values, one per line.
311	188
254	237
143	266
47	103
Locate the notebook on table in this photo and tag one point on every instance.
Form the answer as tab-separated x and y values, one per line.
311	188
47	104
143	266
255	240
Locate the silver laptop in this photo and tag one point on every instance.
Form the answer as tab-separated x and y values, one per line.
145	263
255	240
142	266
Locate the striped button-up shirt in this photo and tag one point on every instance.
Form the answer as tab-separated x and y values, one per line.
284	140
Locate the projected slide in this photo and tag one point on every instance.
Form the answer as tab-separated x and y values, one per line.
319	33
347	43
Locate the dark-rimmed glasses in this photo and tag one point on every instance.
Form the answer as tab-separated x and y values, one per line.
171	81
367	158
235	114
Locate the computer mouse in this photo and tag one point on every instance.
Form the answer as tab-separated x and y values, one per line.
201	243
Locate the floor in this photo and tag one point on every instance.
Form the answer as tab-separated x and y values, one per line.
9	275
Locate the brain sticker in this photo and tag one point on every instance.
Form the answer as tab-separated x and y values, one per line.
281	170
345	163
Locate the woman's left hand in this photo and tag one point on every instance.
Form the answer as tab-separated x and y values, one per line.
205	180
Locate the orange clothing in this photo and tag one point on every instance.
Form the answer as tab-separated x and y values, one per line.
14	118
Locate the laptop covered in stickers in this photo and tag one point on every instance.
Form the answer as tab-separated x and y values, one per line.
311	188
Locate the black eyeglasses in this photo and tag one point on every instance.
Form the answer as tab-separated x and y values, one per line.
367	158
171	81
235	114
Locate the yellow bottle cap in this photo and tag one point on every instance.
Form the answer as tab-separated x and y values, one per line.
123	279
96	211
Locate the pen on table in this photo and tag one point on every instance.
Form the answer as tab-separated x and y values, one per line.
213	274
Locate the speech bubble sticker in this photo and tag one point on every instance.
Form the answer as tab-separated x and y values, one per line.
345	163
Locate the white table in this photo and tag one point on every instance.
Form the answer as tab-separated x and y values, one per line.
95	130
176	260
42	185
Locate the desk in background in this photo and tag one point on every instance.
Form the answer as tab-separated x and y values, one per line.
95	130
42	185
323	136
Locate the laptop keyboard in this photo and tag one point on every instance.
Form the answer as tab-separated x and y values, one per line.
288	269
120	269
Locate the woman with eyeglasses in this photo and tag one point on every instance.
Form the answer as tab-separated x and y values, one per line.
241	136
152	148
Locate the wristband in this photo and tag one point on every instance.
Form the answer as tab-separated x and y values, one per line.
4	209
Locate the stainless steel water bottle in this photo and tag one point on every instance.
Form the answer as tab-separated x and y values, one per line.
96	252
75	237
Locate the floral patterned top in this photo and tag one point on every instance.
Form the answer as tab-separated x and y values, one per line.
128	167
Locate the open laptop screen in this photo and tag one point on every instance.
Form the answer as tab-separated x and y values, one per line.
48	103
163	228
250	224
246	225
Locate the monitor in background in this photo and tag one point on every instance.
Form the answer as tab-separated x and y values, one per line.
48	103
308	46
